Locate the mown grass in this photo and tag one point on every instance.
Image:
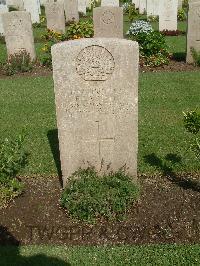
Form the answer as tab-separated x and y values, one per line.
28	103
165	255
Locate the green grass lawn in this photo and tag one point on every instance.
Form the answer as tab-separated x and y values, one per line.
163	255
28	103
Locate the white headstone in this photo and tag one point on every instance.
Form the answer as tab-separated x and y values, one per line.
136	2
96	93
142	6
31	6
18	4
18	33
55	16
168	15
153	7
82	4
193	30
110	3
3	9
71	10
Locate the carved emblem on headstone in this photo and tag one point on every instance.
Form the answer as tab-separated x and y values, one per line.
95	63
108	17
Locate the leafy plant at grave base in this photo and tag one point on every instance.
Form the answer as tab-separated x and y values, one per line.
181	15
196	56
12	159
81	29
192	125
89	196
51	38
82	15
2	39
153	18
18	63
153	47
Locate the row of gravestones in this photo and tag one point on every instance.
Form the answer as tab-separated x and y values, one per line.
165	9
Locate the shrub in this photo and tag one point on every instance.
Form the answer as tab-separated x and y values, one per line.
196	56
181	15
51	38
192	125
89	196
139	27
153	47
12	159
18	63
132	12
172	32
81	29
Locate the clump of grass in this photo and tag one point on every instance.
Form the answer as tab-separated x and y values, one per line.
89	196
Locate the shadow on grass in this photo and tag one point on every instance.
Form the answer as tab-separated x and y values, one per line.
166	165
180	56
10	254
54	144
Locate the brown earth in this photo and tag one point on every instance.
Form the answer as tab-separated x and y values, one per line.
168	211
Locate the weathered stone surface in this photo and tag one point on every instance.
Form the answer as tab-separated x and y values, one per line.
71	10
168	15
55	16
18	4
153	7
108	22
142	6
180	3
136	2
110	3
96	92
31	6
193	31
82	4
18	32
3	9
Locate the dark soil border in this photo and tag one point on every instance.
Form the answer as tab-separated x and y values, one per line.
168	211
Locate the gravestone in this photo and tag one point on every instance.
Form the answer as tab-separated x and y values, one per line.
108	22
193	31
3	9
168	15
18	4
82	4
142	6
31	6
136	2
110	3
153	7
180	3
55	16
96	92
71	10
18	33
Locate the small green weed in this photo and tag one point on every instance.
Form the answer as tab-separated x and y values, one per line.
89	196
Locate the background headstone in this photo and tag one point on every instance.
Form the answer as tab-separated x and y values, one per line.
193	30
55	16
96	93
110	3
108	22
168	15
153	7
18	33
142	6
82	4
31	6
3	9
136	2
18	4
71	10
